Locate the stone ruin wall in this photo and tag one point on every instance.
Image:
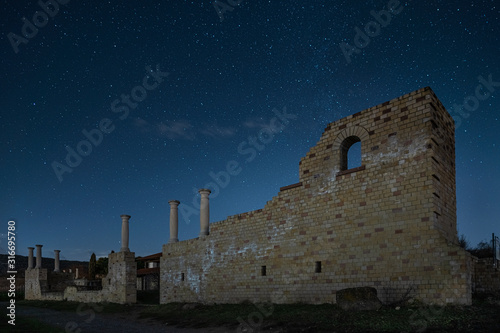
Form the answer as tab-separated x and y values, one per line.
389	224
119	285
35	280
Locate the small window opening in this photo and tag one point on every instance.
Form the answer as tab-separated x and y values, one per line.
350	153
317	267
354	156
263	271
182	276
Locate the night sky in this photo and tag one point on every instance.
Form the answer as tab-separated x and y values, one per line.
170	91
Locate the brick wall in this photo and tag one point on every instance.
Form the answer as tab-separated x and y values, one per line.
35	280
390	223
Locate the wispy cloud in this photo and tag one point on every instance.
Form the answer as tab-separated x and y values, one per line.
176	130
256	123
217	131
180	129
143	125
183	129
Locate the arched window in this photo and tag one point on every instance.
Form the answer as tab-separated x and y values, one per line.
350	153
349	142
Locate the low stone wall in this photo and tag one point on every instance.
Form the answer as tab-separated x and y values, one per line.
119	286
89	296
37	285
53	296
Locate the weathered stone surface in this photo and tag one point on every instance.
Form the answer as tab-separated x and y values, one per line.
34	279
119	285
358	299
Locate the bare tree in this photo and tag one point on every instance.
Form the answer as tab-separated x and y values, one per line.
464	242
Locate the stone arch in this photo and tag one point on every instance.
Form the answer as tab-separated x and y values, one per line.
346	138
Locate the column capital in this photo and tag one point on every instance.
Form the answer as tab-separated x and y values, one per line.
174	202
38	245
125	217
57	251
31	248
204	191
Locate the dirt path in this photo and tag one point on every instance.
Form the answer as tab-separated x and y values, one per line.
88	321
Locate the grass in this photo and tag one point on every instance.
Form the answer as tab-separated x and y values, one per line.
4	296
28	325
148	297
298	317
481	316
68	306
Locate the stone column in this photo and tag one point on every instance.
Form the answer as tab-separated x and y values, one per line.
56	260
125	219
174	221
204	212
30	257
38	256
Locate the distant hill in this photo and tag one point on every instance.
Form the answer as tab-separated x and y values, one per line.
22	264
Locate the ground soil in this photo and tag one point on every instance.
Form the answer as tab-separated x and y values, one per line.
105	322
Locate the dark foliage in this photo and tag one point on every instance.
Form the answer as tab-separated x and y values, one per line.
92	267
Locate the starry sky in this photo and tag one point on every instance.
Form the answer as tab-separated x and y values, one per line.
117	107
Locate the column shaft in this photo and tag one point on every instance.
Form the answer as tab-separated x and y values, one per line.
38	256
56	260
125	219
204	212
30	257
174	221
